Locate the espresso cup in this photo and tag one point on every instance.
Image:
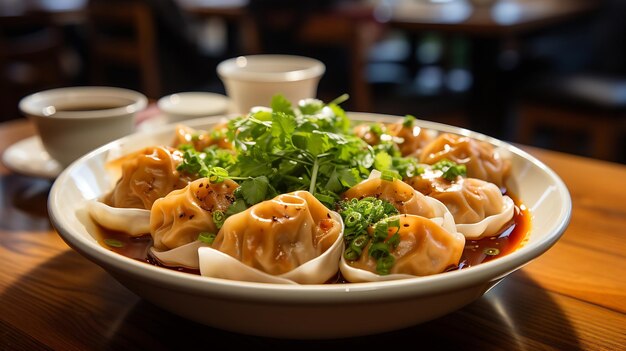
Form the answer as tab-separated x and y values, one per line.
75	120
253	80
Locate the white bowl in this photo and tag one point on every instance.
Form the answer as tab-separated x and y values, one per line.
306	311
254	79
72	121
192	104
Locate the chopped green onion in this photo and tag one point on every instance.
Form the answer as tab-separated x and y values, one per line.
113	243
390	175
359	242
381	231
351	254
352	219
408	121
394	240
491	251
207	237
378	250
218	218
376	129
384	264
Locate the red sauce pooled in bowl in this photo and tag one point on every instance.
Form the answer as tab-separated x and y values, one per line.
511	237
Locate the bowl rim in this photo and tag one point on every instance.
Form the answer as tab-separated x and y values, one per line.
234	68
211	103
317	293
30	104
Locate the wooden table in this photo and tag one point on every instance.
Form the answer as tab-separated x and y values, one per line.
572	297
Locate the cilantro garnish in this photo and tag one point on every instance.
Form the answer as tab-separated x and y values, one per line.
306	147
450	169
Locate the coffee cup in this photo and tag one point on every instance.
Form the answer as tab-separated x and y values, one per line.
253	80
75	120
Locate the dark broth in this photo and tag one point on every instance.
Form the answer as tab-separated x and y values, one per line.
85	107
476	252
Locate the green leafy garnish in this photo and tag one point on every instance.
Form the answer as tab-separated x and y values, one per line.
212	162
113	243
450	169
367	222
307	147
207	237
491	251
408	121
218	218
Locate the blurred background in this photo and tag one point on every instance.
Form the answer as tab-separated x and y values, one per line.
549	73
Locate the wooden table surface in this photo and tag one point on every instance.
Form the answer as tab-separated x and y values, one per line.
571	298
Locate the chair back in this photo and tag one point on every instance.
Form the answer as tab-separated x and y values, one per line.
124	35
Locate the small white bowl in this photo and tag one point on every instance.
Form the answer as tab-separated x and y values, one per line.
75	120
253	80
306	311
188	105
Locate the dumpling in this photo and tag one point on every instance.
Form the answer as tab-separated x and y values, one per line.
132	221
401	195
479	208
370	133
201	139
481	159
425	247
292	238
178	218
147	175
411	139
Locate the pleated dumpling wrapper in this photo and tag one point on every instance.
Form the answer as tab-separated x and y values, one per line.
424	247
416	211
401	195
132	221
147	175
479	208
290	239
483	160
177	220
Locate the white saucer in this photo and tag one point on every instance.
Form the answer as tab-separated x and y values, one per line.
28	157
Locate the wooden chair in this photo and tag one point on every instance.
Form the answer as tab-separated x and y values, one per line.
576	108
124	35
31	49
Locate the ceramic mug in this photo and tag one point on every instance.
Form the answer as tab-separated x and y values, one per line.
75	120
253	80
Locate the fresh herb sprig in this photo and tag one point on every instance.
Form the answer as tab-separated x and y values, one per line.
304	148
451	171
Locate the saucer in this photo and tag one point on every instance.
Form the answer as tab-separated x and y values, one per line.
28	157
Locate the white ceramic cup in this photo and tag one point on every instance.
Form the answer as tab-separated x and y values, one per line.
75	120
188	105
253	80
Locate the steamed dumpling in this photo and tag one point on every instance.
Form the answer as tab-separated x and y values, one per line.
479	208
426	247
411	139
482	160
401	195
201	139
132	221
291	238
147	175
178	218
